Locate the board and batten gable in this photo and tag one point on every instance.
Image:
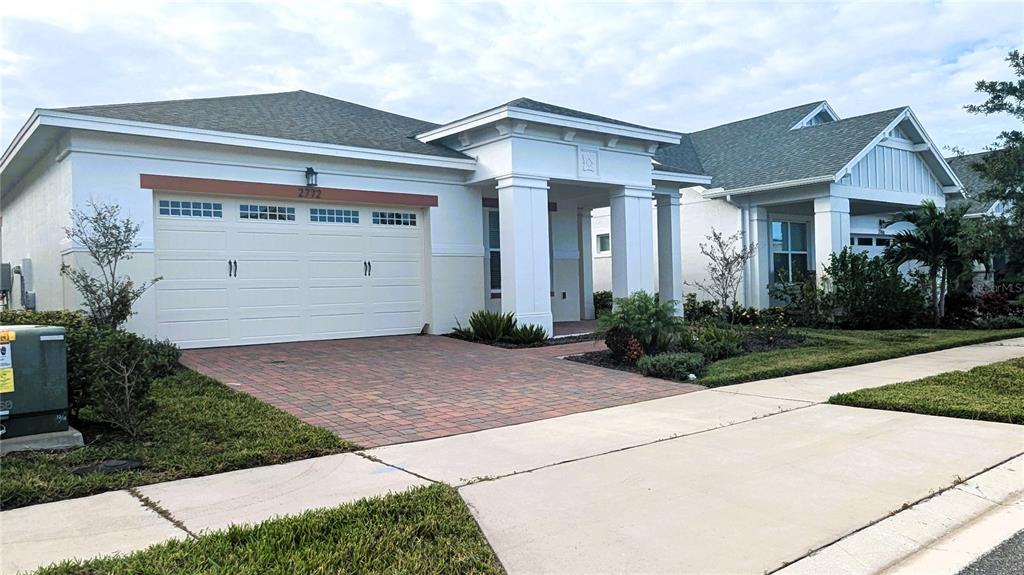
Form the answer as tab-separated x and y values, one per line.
107	168
34	213
896	170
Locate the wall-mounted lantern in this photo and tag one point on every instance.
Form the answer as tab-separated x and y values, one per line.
310	177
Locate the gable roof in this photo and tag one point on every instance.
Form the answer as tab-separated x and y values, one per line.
765	150
536	106
299	115
974	183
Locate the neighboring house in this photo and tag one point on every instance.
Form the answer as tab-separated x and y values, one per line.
294	216
973	185
802	184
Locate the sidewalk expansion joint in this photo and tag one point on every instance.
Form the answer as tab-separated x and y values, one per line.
375	459
487	478
159	510
906	506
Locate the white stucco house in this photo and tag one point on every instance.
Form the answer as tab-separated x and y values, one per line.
801	184
295	216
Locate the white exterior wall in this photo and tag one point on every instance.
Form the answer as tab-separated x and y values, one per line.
107	167
698	217
34	214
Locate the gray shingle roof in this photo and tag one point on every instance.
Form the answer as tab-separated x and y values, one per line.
298	115
764	150
974	183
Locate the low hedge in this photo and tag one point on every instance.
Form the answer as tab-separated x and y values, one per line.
677	366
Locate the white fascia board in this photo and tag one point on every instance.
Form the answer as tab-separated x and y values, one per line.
822	107
721	192
931	148
19	140
692	179
82	122
513	113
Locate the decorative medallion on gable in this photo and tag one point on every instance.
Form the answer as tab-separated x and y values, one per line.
587	166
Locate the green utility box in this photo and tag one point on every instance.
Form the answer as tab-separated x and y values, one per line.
33	380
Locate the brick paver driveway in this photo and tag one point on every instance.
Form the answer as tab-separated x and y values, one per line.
384	390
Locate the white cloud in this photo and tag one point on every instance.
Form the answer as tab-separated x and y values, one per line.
682	66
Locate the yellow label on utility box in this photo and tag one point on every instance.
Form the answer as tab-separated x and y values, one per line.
7	380
7	336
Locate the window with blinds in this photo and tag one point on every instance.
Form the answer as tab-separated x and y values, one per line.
494	250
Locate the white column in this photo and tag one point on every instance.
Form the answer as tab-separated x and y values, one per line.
670	250
831	229
586	243
525	259
632	240
760	263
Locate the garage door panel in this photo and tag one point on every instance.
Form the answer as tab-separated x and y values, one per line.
192	269
336	295
336	269
255	238
282	327
249	269
192	239
197	333
338	325
403	245
269	297
393	322
192	298
352	244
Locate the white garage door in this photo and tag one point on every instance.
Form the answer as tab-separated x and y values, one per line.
247	271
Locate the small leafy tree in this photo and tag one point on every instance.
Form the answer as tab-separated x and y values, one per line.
109	239
725	267
1003	167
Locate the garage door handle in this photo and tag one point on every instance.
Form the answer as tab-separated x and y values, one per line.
370	267
233	265
366	268
230	272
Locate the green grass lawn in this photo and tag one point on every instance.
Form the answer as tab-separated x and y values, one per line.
199	427
828	349
424	530
990	392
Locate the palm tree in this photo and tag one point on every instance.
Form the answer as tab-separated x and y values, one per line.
933	242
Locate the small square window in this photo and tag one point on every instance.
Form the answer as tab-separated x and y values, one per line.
604	243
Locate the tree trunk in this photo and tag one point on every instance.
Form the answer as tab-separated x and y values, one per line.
933	278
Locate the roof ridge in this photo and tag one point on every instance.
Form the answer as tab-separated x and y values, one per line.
791	108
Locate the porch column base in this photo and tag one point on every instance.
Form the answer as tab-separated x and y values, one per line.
525	256
632	240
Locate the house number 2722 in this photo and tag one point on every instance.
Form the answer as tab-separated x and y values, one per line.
311	193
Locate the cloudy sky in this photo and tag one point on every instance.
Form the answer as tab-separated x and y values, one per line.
677	66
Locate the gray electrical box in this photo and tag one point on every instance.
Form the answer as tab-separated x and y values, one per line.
6	278
33	380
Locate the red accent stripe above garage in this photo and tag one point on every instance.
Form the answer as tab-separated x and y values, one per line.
260	189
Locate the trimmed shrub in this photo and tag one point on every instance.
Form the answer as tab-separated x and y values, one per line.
123	374
999	322
78	333
677	366
716	343
652	323
528	334
602	302
492	326
622	345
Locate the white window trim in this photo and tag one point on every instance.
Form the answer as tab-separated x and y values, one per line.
808	240
489	249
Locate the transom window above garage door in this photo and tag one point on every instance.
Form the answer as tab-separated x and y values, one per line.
333	216
191	209
394	218
263	212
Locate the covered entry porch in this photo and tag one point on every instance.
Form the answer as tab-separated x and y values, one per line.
539	252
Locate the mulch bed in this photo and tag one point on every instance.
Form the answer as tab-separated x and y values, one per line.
603	359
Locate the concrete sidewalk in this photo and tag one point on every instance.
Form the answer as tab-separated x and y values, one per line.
126	521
